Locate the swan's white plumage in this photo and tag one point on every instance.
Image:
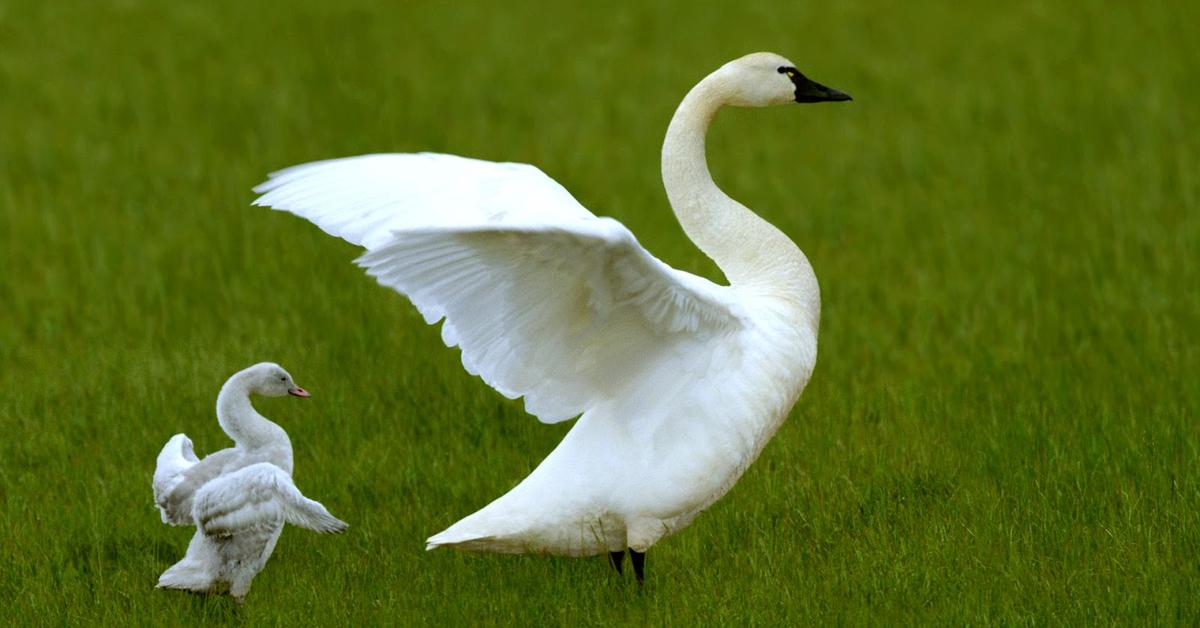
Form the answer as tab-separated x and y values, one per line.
388	192
678	382
546	300
238	498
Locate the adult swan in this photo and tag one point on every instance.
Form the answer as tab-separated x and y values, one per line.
678	382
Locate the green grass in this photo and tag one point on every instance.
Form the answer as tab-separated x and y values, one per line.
1002	425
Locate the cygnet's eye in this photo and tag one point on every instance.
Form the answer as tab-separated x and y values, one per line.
283	379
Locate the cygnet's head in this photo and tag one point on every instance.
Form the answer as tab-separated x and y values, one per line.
270	380
764	78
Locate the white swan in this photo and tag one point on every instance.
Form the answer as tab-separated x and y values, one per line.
680	382
238	498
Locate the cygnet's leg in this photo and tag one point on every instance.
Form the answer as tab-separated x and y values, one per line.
617	560
639	564
249	555
241	584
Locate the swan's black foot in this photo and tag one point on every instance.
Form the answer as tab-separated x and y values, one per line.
639	565
617	560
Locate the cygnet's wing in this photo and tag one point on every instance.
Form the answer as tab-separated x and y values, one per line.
257	497
176	457
180	475
547	301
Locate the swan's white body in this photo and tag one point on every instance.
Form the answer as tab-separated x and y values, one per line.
678	382
238	498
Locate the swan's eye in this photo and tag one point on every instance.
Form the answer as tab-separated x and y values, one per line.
790	72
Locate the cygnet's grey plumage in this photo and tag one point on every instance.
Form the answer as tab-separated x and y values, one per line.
238	498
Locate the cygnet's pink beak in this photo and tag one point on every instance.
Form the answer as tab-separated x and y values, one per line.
297	391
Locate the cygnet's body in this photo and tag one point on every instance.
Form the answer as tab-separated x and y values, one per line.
238	498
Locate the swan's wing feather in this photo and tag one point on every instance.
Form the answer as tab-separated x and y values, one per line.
562	317
546	300
259	496
364	199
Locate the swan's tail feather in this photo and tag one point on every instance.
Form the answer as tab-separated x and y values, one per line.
460	541
481	531
497	527
475	531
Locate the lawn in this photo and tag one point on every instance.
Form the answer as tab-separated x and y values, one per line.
1003	422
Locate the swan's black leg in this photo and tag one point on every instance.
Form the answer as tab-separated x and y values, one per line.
639	565
617	560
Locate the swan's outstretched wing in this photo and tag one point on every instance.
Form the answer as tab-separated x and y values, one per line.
546	300
364	199
257	497
176	457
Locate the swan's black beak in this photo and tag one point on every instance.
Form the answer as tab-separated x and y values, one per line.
297	391
808	90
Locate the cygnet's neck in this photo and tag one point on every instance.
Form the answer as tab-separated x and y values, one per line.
239	419
753	254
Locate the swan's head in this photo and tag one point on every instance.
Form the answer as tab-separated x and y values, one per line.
270	380
765	78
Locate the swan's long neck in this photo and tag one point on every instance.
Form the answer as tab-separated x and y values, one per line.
752	253
241	421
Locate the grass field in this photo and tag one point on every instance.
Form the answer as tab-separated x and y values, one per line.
1002	426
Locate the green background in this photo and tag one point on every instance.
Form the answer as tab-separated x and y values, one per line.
1005	223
